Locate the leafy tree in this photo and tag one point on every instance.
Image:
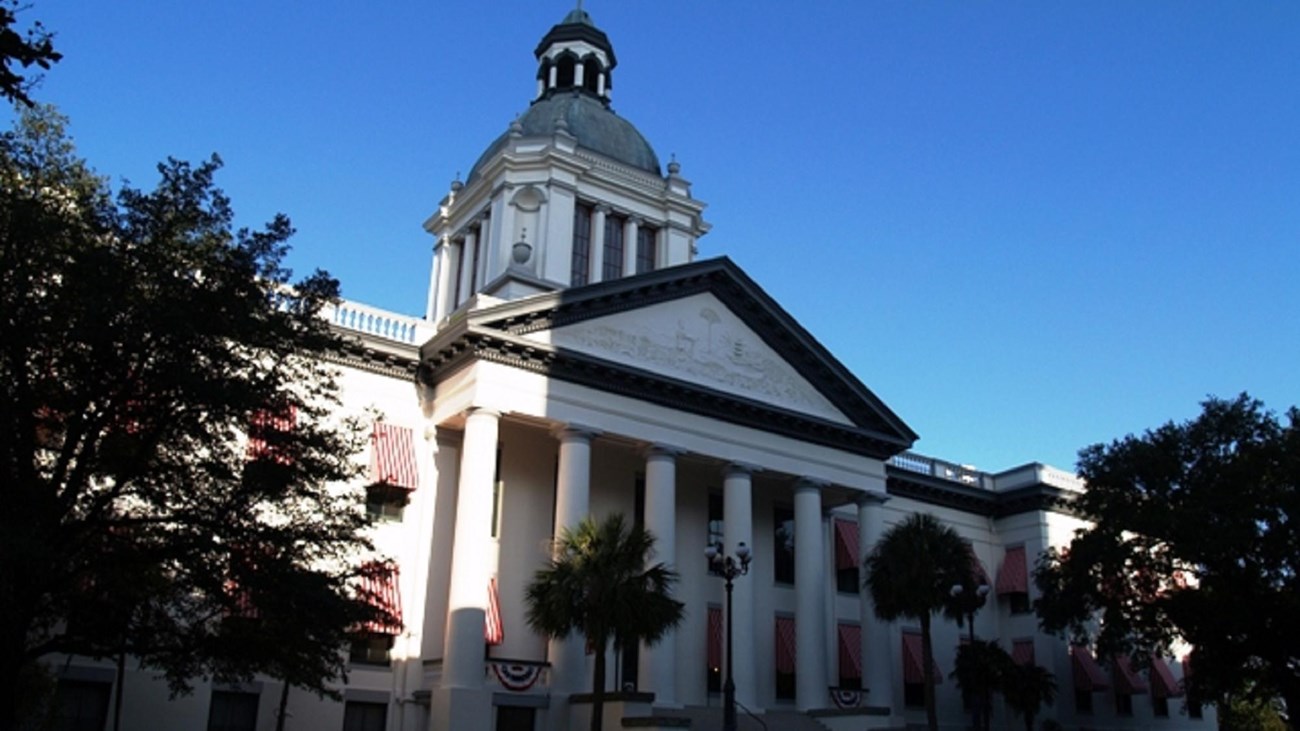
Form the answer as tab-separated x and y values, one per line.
1250	714
1193	536
600	583
35	47
141	339
1026	689
910	573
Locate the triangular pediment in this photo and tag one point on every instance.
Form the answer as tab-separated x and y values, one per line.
702	337
697	339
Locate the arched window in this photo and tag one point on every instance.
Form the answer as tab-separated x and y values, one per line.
565	65
591	72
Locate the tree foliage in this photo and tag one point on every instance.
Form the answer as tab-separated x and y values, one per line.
34	47
141	339
910	573
1194	537
600	583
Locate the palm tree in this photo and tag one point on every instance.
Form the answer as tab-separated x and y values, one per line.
910	573
1026	689
601	584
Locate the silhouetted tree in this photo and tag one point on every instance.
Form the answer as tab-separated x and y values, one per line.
1193	536
910	573
35	47
169	467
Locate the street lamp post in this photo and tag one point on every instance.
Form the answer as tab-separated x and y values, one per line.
971	600
729	567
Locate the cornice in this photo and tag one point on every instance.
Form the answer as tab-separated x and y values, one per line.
968	498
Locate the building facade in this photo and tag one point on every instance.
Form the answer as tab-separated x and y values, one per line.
575	359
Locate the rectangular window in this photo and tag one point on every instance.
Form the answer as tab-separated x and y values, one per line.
716	533
358	716
914	695
783	545
461	256
613	255
81	705
473	272
1020	603
516	718
714	652
1083	700
386	503
1123	704
646	249
1160	706
498	490
785	658
232	711
847	579
580	273
371	648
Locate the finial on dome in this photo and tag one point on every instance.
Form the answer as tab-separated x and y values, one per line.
456	185
516	128
674	167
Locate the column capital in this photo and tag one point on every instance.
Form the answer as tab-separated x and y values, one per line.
867	498
570	432
661	450
603	208
740	468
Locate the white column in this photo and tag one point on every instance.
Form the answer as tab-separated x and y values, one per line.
579	72
467	597
572	504
552	76
810	593
878	666
738	527
467	246
600	85
629	245
658	669
598	244
442	288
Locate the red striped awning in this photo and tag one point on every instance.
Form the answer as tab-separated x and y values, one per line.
1126	680
1013	577
850	636
1022	652
913	666
846	544
1087	673
392	455
379	587
785	645
494	632
715	638
1163	684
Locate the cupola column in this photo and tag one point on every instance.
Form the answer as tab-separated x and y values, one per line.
877	670
738	527
629	245
579	71
598	242
551	77
441	284
468	249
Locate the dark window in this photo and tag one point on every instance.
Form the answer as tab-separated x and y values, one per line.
631	657
1020	603
498	488
1123	704
914	695
565	67
1160	707
847	581
714	653
371	648
386	503
580	273
716	533
1194	707
1083	700
358	716
232	711
646	249
81	705
460	268
590	72
473	272
783	545
786	657
516	718
613	257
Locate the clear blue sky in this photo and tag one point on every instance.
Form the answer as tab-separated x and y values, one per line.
1026	226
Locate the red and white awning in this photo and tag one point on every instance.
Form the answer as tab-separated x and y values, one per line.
846	544
392	455
850	637
913	664
1013	577
494	632
1088	675
785	645
1022	652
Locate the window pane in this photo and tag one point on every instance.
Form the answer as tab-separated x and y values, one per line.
645	249
81	705
783	545
613	258
581	265
232	711
358	716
